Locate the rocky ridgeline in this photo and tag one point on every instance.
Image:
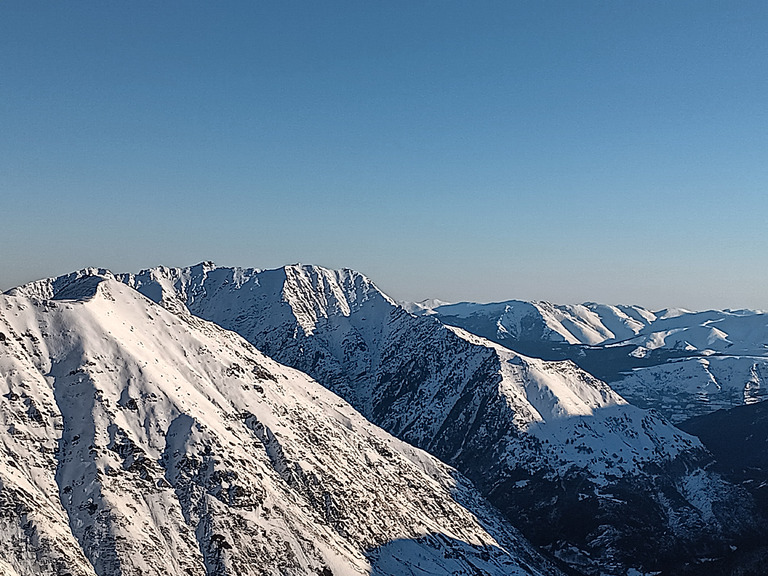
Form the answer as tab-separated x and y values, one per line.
601	484
136	441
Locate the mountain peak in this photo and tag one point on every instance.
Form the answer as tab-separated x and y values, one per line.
133	432
205	266
50	288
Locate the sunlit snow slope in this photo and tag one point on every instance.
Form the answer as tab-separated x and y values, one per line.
136	441
602	484
679	362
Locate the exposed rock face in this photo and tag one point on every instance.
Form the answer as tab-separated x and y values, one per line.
136	441
604	485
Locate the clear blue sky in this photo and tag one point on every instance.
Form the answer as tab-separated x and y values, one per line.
612	151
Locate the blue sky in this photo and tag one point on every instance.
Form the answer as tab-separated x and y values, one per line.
568	151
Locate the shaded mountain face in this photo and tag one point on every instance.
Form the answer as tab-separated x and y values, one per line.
602	484
681	363
136	441
738	438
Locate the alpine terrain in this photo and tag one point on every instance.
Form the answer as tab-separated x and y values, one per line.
681	363
136	440
605	486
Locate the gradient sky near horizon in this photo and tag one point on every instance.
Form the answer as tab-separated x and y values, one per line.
568	151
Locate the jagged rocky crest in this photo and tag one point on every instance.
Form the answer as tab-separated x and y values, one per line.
603	485
139	441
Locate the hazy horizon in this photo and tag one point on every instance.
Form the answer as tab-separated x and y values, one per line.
560	151
396	294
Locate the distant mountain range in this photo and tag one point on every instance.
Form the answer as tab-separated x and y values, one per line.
678	362
170	402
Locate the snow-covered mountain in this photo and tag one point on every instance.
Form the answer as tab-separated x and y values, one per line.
604	485
679	362
690	387
137	441
700	362
708	332
516	320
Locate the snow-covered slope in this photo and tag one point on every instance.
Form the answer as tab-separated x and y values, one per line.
603	484
709	332
719	359
679	362
519	320
690	387
136	441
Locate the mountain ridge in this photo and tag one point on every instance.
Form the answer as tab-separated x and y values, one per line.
163	441
679	362
466	401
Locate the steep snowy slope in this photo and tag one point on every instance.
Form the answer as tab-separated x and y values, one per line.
679	362
138	441
602	484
